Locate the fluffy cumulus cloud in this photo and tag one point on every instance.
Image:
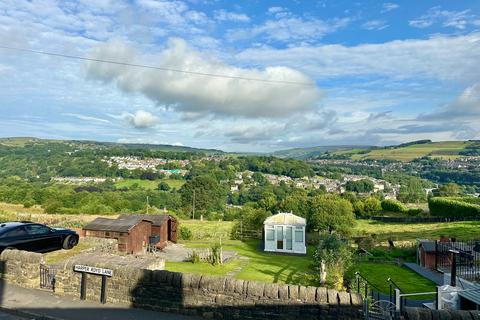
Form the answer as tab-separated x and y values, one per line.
194	94
142	119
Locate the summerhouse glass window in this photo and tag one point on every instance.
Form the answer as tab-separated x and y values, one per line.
270	234
298	235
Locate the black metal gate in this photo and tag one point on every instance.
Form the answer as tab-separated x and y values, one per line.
47	277
466	254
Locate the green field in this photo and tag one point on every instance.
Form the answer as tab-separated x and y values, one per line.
407	280
202	230
410	231
148	184
444	150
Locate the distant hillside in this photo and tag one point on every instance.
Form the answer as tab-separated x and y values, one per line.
22	141
410	151
308	153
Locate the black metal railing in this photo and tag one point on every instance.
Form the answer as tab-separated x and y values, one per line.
466	255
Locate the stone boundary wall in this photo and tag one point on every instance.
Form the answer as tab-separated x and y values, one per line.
208	296
21	267
427	314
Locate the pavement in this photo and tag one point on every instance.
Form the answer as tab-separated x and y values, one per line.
20	303
431	275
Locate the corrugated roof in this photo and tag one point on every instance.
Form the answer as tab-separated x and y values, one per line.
286	219
473	296
428	246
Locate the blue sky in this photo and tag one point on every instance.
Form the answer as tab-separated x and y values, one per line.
379	72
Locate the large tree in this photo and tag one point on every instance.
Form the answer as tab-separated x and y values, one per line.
205	193
330	213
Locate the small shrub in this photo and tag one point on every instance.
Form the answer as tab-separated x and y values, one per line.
28	203
216	254
392	205
185	233
413	212
193	257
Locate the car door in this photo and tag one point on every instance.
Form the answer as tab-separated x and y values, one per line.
43	238
17	238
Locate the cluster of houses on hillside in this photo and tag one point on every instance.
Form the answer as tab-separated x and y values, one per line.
136	163
316	182
80	180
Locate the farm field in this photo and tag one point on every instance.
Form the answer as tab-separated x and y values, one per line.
383	231
202	230
407	280
148	184
444	150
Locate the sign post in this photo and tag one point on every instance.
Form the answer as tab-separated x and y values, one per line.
96	271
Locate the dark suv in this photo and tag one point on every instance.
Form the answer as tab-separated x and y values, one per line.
35	237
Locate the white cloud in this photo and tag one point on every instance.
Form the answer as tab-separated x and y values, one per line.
466	107
375	25
442	57
454	19
142	119
194	94
389	6
223	15
287	27
86	118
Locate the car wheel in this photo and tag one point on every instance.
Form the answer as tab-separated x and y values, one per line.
70	242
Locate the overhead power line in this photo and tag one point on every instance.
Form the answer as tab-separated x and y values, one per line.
205	74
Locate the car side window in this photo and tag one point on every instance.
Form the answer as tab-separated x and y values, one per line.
17	232
35	229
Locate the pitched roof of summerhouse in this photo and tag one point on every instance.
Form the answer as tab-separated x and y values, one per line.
285	218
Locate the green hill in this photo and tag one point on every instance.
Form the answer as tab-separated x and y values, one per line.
410	151
308	153
22	141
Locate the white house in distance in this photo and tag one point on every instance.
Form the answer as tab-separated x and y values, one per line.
285	232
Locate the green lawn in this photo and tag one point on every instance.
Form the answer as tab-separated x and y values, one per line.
202	268
463	230
258	265
407	280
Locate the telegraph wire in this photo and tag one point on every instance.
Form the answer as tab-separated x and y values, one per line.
68	56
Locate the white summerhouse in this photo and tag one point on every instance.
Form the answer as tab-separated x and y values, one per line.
285	232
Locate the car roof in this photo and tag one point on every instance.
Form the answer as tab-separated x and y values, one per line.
5	226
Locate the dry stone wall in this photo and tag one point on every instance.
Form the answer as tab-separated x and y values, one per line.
427	314
206	296
21	267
